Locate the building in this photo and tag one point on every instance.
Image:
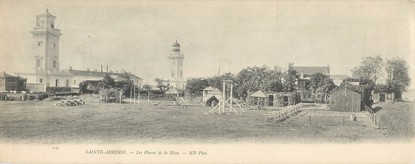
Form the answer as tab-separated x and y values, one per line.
45	49
10	82
346	100
176	67
305	73
304	80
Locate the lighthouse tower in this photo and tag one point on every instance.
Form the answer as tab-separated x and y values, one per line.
46	48
176	67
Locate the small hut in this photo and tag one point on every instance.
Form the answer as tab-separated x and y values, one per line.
345	100
213	100
383	97
206	92
212	97
258	98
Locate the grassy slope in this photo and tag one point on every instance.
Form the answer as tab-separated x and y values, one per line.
398	119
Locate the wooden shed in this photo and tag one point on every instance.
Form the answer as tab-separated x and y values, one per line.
345	100
12	82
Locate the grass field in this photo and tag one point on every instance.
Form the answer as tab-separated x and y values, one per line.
398	118
41	122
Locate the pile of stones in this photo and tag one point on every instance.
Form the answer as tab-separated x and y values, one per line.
75	102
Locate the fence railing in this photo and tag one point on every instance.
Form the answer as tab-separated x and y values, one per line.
370	113
285	113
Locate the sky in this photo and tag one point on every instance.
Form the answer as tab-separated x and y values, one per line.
137	35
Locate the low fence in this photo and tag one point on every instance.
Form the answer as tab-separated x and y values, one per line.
285	113
370	114
319	118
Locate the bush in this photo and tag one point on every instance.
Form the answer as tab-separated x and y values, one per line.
58	89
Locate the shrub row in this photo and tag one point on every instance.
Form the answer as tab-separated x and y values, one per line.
18	97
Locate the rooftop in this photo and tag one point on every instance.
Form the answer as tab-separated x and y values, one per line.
101	74
309	70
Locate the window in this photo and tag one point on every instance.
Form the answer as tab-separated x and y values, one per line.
56	82
39	43
67	83
54	63
74	81
54	44
40	80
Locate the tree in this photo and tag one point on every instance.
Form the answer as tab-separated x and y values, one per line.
290	79
107	82
125	85
274	82
161	84
196	85
321	84
258	78
397	76
370	68
216	81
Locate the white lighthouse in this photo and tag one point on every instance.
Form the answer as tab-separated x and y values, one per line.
176	67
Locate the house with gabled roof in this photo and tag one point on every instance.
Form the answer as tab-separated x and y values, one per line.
304	80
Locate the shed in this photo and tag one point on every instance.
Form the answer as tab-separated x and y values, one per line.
12	82
206	92
346	100
258	98
211	92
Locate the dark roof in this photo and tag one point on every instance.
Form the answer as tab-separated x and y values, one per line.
309	70
5	74
176	44
92	82
101	74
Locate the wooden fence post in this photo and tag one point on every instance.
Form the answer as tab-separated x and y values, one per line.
310	120
120	97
